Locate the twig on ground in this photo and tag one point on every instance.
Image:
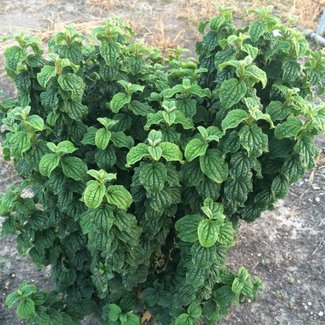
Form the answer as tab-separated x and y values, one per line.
317	247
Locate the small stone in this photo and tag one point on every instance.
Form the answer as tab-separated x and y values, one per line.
309	303
316	187
317	199
320	314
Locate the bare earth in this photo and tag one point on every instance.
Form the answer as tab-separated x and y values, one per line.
285	247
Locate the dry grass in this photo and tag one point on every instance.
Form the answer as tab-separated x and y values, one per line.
104	4
308	11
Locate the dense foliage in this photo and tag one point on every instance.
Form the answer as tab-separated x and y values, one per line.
137	168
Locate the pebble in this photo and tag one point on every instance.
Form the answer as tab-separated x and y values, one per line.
317	199
320	314
309	303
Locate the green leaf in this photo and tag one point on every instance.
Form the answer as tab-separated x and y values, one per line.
212	209
236	190
231	92
102	138
153	176
36	122
12	298
73	84
94	194
194	310
307	150
155	152
120	140
48	163
226	234
290	128
256	30
280	186
75	110
208	232
214	166
184	319
180	118
186	228
250	50
26	309
234	118
74	168
277	111
14	55
171	151
142	109
195	277
118	101
110	52
195	148
20	142
113	312
291	70
45	75
253	140
130	319
136	154
119	196
254	72
237	286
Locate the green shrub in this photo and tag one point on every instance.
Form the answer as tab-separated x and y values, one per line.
141	166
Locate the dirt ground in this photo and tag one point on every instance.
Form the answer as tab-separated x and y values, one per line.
285	247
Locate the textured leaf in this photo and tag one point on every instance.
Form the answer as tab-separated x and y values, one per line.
155	152
75	110
226	234
277	111
234	118
102	138
153	176
290	128
118	101
237	190
195	148
137	153
231	92
45	75
171	151
110	52
184	319
195	277
256	30
94	194
280	186
291	70
187	228
253	140
20	142
120	140
73	84
119	196
112	312
36	122
12	298
307	150
252	71
48	163
214	166
208	232
142	109
26	308
74	168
